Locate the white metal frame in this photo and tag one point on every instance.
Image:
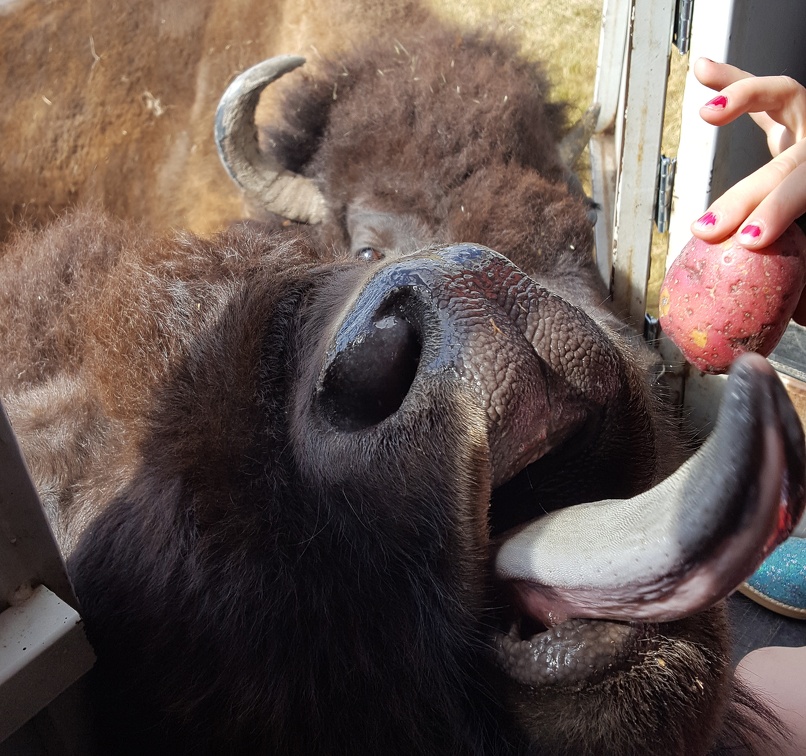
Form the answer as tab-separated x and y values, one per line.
43	649
632	70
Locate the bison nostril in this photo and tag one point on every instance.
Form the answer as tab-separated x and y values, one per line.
368	380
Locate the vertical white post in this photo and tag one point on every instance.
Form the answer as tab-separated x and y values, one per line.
633	67
645	98
609	95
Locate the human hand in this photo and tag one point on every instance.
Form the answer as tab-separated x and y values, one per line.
776	674
761	206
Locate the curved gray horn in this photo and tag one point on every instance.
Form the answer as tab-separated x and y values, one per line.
578	136
572	146
260	176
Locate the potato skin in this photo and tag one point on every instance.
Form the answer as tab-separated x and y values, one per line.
721	300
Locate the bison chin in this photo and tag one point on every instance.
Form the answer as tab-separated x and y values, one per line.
506	440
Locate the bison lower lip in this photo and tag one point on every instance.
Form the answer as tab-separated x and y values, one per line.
571	652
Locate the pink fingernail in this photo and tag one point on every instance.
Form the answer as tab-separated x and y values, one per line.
718	103
750	232
709	219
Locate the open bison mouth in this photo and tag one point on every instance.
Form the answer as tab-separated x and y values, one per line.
587	579
668	553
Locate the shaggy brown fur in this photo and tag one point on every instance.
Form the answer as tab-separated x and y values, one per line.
113	102
244	598
253	579
466	132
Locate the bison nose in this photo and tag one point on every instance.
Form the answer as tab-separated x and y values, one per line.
463	319
396	322
367	378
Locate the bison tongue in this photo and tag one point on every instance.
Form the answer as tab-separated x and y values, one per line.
686	543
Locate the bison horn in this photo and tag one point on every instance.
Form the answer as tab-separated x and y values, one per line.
684	544
578	136
260	176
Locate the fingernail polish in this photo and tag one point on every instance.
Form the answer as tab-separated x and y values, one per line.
750	232
709	219
718	103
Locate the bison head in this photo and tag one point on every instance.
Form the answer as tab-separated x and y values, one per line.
438	138
549	507
416	505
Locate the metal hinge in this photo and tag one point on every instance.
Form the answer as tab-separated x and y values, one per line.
682	25
651	328
663	201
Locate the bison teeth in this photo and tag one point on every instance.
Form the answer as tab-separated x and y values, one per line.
684	544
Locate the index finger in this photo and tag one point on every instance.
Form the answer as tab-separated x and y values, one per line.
718	75
776	103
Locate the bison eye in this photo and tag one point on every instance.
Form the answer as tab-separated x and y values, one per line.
369	253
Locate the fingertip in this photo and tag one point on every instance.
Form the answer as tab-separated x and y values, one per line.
715	112
707	72
718	76
708	235
751	235
720	102
701	66
705	226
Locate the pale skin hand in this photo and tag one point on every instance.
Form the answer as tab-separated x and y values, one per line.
777	675
761	206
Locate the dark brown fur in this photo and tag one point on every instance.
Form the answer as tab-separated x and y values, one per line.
245	596
468	137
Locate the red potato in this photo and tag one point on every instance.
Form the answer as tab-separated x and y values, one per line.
721	300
